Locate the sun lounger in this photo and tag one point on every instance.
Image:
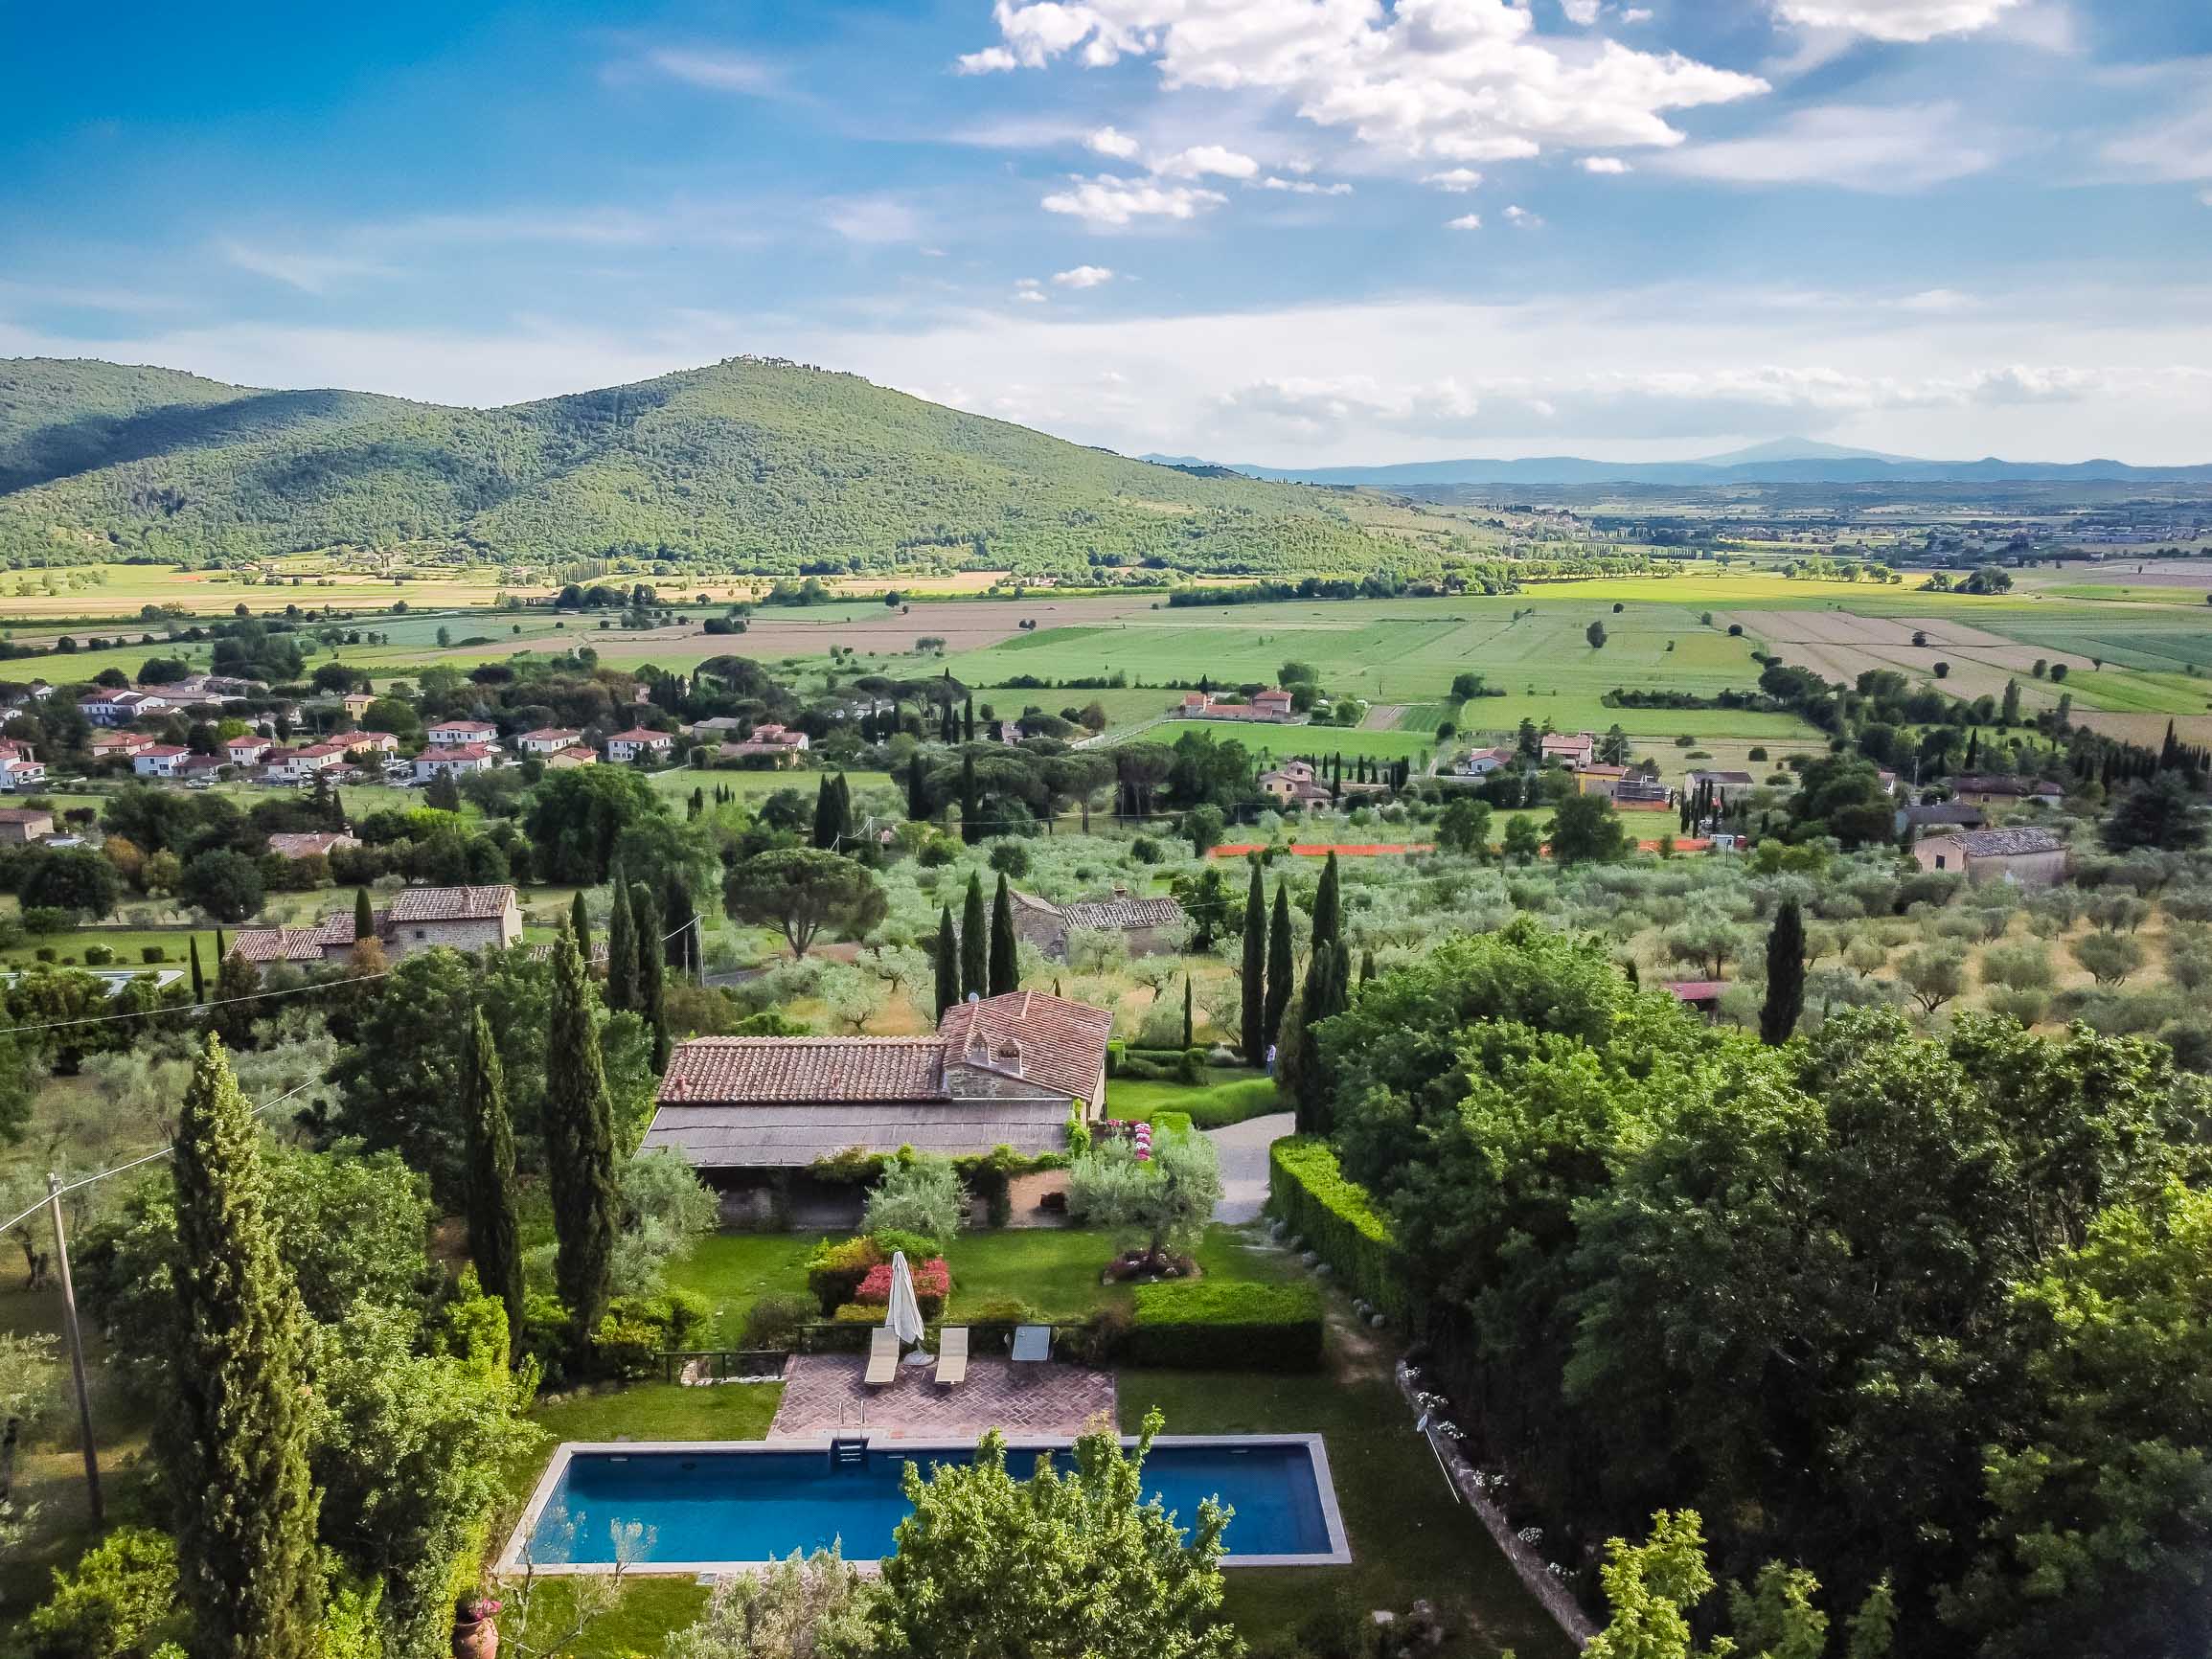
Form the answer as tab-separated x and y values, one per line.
953	1354
883	1359
1032	1346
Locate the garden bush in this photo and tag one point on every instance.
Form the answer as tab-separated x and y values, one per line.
118	1602
834	1271
932	1285
774	1321
1225	1325
99	956
1307	1191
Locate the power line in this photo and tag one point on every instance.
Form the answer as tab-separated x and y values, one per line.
194	1007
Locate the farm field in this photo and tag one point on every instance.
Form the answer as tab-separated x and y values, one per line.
1284	742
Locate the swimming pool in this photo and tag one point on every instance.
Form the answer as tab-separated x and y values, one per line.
715	1506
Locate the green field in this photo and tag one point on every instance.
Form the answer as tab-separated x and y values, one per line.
1287	743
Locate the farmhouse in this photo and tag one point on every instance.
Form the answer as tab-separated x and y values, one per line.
2031	857
627	746
1573	750
451	734
1943	815
1598	780
1980	790
309	843
1294	782
417	918
753	1114
1271	705
455	760
1484	762
21	824
779	743
1148	926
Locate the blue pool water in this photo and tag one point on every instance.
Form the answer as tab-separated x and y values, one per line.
708	1507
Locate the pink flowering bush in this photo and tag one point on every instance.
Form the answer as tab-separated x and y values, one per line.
932	1285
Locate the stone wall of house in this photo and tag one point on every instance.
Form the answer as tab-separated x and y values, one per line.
493	932
2028	869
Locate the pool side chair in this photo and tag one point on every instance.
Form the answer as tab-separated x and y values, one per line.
883	1359
952	1355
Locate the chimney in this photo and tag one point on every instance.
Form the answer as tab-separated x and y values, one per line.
1120	892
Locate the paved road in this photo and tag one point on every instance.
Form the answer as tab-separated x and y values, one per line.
1244	1149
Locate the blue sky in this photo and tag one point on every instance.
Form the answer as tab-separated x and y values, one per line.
1256	230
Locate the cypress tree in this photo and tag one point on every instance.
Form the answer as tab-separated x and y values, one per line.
364	917
234	1433
1366	965
1190	1026
970	802
620	947
828	825
1785	975
974	961
199	979
1005	960
843	790
947	960
651	986
967	722
579	925
494	1232
1279	971
917	789
1327	907
680	921
578	1145
1327	979
1253	1031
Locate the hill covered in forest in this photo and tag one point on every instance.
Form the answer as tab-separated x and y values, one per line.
749	465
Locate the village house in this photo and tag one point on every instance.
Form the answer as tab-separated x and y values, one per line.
752	1115
2029	856
1573	750
1943	815
246	750
367	742
548	741
627	746
1147	926
159	760
1980	790
117	745
452	734
580	756
716	727
22	823
1484	762
779	743
1726	786
417	919
1294	784
1598	780
456	761
19	769
355	704
116	708
1271	705
298	766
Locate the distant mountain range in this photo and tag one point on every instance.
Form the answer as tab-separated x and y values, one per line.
1784	461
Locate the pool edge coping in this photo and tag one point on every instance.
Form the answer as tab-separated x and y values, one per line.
511	1561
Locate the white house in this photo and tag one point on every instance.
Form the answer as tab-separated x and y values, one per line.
17	769
159	761
454	759
548	741
452	734
296	765
625	746
114	707
246	750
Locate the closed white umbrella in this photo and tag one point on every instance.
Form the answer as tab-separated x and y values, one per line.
903	1320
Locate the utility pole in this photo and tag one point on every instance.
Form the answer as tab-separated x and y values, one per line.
76	1351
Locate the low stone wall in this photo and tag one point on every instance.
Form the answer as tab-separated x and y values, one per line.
1527	1565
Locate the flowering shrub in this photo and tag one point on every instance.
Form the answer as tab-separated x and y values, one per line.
932	1285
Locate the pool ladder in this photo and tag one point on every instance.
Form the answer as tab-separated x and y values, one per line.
848	1451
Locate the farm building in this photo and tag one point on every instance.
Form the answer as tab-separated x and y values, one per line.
1271	705
1148	926
417	918
1573	750
1979	790
2031	857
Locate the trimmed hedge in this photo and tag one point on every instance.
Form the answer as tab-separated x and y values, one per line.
1166	1124
1232	1325
1307	1191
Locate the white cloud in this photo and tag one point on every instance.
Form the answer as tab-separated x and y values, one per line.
1106	141
1636	15
1901	20
714	71
1465	223
1583	11
1029	293
1305	185
1456	179
1464	80
1083	276
2175	145
1605	164
1858	147
312	273
984	63
1109	203
1937	302
1203	159
1521	216
873	221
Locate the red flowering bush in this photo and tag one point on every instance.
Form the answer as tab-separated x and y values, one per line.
932	1285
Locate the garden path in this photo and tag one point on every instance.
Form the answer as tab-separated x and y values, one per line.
1244	1151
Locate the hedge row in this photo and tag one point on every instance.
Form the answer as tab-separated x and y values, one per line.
1307	1191
1204	1325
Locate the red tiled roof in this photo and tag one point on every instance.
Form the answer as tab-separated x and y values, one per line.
550	734
162	751
1062	1043
449	903
457	752
639	735
25	815
805	1070
307	843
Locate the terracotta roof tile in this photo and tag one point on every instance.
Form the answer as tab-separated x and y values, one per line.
449	903
804	1070
1061	1044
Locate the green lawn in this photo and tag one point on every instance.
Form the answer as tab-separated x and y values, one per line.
1229	1096
1410	1537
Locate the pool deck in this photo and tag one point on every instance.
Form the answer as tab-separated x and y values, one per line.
823	1394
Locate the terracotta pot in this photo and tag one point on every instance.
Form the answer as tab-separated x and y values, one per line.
476	1639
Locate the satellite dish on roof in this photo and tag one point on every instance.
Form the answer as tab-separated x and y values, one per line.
974	996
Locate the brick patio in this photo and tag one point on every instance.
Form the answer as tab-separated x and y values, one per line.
823	1394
